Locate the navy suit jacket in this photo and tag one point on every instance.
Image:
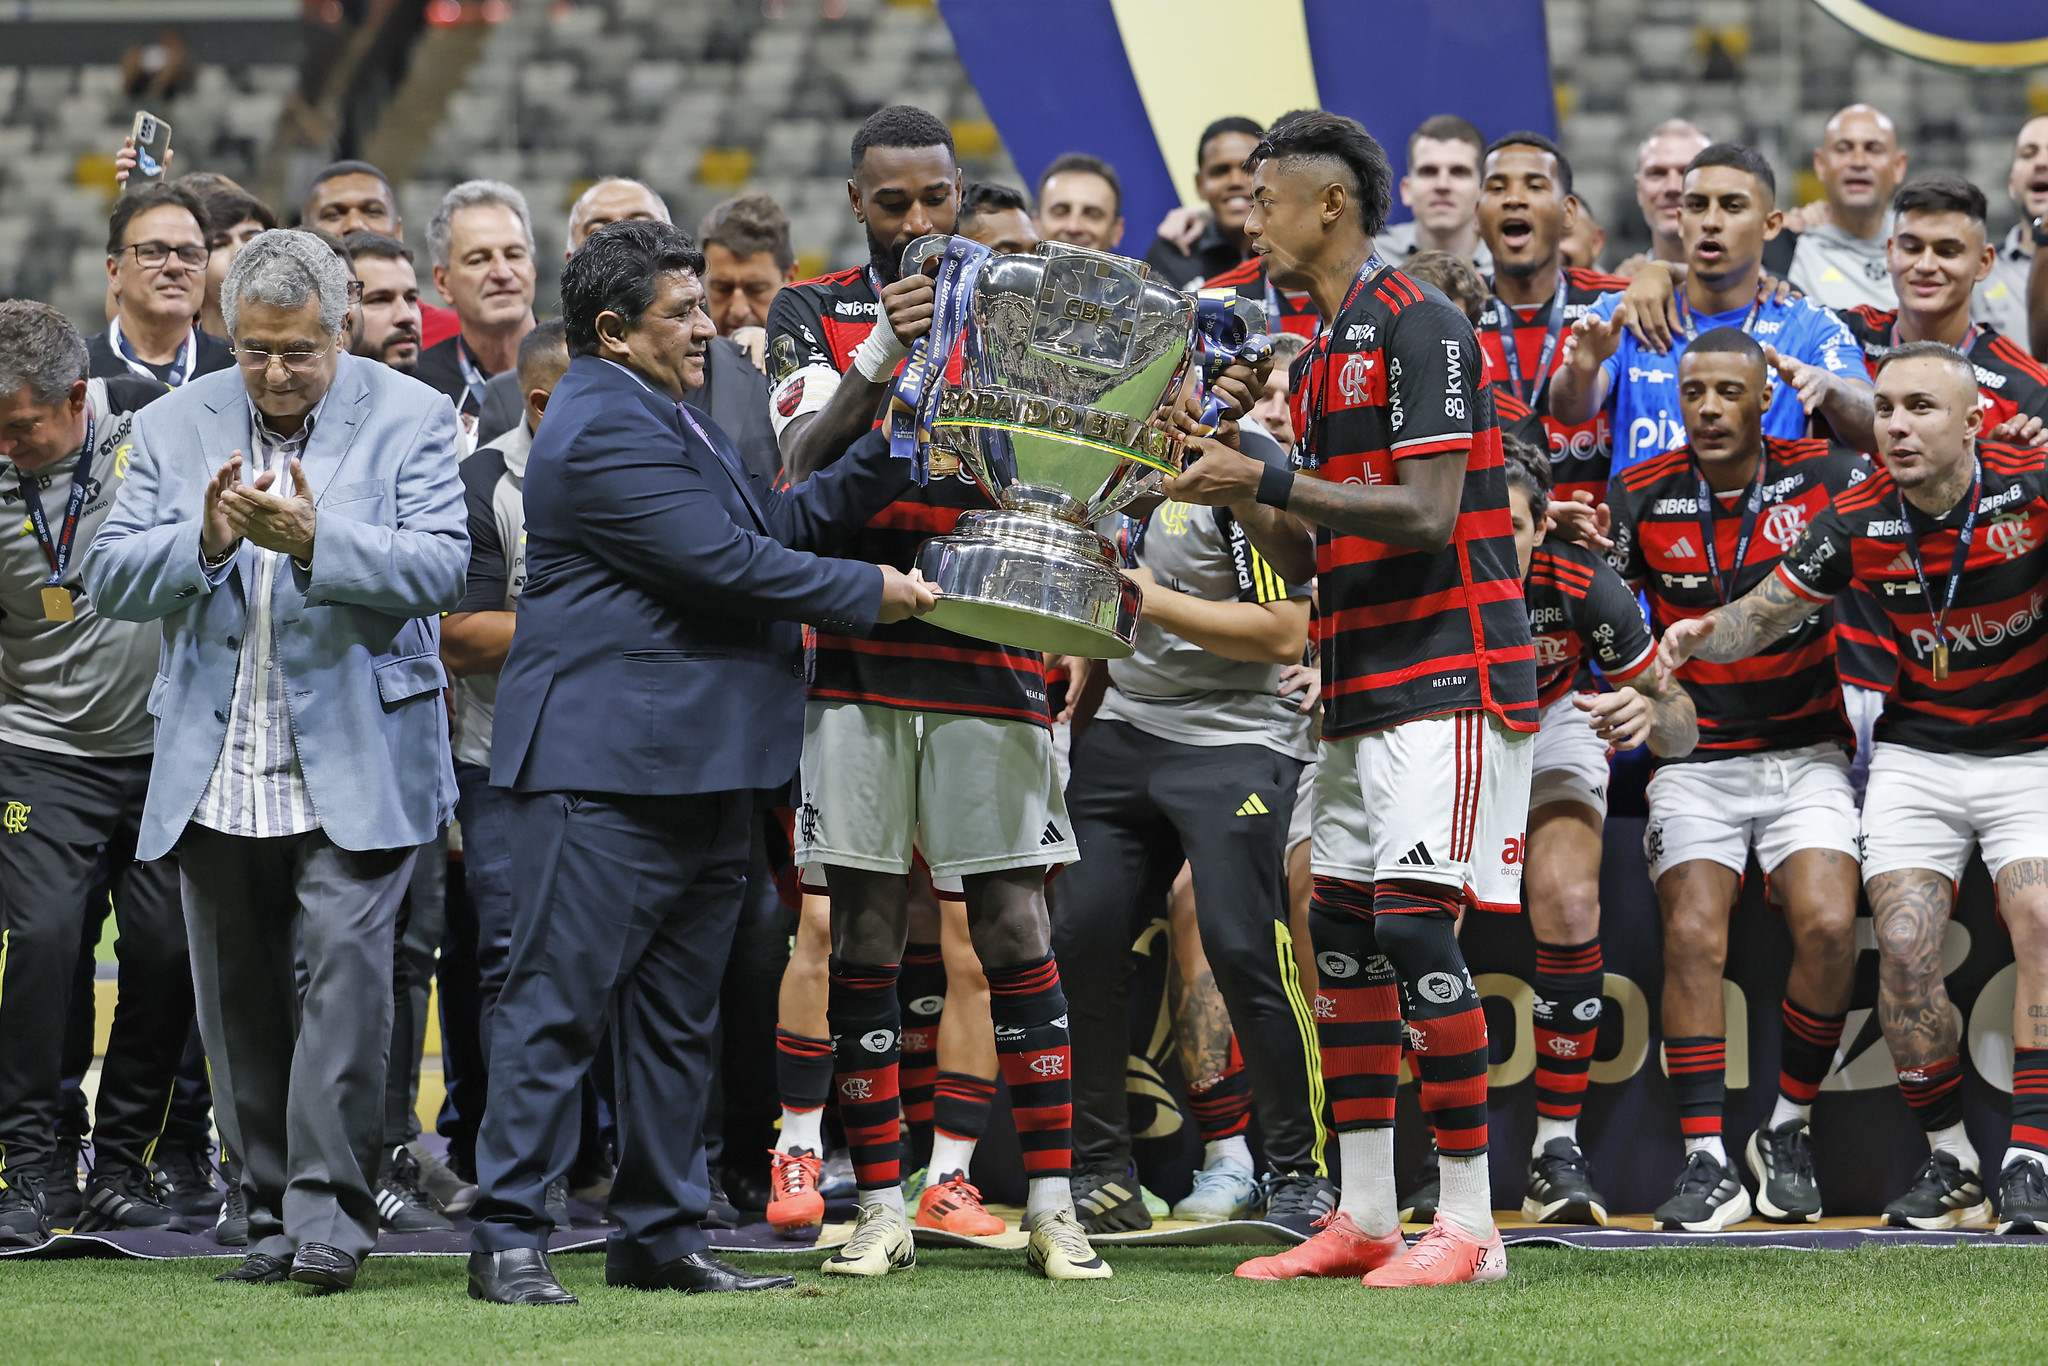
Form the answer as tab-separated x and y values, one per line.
657	650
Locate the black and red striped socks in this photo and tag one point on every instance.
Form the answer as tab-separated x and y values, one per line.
1698	1068
960	1111
2029	1141
1358	1033
1222	1109
1934	1092
1806	1054
1032	1047
1566	1011
921	995
803	1076
866	1053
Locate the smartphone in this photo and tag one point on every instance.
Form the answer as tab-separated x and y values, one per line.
152	138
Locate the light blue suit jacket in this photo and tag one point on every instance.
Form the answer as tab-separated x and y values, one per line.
358	637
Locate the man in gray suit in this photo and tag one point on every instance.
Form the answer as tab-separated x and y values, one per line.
735	392
301	747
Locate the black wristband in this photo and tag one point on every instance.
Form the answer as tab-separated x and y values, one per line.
1274	487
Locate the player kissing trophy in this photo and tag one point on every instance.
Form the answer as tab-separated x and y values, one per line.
1067	355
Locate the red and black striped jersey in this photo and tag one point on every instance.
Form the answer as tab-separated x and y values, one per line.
1405	633
1995	698
2009	382
1297	312
1579	455
1579	610
1787	696
814	328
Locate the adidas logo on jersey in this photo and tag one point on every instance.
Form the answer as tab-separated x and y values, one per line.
1683	547
1253	806
1051	836
1418	857
1902	563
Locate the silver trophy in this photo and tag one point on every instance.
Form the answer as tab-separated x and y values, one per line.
1068	355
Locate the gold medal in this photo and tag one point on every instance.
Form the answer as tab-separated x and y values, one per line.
57	603
1941	661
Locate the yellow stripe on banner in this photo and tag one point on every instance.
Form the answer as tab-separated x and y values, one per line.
1931	47
1305	1021
1197	61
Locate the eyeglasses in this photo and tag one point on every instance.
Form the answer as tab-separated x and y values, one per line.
296	361
153	255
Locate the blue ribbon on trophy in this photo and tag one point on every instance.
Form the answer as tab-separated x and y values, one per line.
914	399
1227	338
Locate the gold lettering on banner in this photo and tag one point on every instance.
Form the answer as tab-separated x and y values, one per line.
1035	412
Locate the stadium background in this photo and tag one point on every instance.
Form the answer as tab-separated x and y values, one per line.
705	98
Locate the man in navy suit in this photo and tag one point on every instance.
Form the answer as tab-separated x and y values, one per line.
656	680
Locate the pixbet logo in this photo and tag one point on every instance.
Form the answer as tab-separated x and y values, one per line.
1653	434
1979	634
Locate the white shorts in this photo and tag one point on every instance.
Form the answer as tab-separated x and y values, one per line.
1301	826
972	794
1924	810
1778	802
1443	800
1571	759
812	876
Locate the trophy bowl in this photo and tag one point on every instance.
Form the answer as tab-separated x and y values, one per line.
1066	356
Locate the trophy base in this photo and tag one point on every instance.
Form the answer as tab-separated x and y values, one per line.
1031	581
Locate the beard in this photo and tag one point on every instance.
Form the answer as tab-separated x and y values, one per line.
887	260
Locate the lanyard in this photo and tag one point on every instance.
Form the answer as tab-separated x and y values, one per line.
1956	566
1505	317
1692	329
1966	345
1318	404
473	379
57	549
1130	537
1724	584
188	355
914	398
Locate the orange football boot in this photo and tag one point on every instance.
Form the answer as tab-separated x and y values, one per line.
1339	1248
796	1205
1446	1255
954	1206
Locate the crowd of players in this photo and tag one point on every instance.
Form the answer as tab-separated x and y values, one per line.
1392	637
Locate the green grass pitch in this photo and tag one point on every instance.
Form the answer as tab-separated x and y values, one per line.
1177	1306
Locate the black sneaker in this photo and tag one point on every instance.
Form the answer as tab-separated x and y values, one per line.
123	1197
1561	1187
232	1228
23	1222
1299	1201
1418	1206
1781	1159
2023	1198
188	1187
1709	1198
555	1201
449	1193
1944	1195
402	1207
62	1203
722	1213
1108	1202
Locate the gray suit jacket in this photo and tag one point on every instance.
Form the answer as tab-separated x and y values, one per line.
358	636
734	393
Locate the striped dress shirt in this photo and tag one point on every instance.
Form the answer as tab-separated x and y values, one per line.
257	788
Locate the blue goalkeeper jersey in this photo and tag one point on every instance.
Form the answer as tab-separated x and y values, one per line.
1642	393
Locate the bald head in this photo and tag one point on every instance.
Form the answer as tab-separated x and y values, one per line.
1859	164
614	199
2028	184
1660	180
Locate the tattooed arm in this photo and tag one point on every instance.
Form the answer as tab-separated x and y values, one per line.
1737	630
1650	707
1909	910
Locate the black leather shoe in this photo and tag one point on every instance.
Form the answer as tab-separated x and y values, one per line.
258	1268
696	1273
324	1267
518	1275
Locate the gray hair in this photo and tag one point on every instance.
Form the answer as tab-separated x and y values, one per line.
471	194
40	348
284	268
